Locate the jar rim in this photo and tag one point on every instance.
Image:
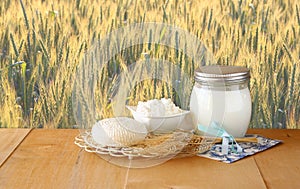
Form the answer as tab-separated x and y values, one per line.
220	73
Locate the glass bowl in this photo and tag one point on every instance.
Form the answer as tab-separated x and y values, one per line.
159	124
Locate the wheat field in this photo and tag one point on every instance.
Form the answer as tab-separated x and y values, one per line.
42	43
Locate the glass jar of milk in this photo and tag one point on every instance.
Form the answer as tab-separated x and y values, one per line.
221	95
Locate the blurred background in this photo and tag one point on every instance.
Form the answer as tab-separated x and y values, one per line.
43	42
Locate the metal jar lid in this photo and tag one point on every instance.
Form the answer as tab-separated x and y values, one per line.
227	74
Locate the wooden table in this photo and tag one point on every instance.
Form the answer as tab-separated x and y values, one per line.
50	159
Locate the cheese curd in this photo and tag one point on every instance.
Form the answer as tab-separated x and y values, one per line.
157	108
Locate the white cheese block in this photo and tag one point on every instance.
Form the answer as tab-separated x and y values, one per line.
118	131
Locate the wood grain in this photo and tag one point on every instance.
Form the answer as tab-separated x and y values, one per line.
280	166
197	172
9	140
49	159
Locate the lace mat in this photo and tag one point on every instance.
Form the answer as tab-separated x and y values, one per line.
176	144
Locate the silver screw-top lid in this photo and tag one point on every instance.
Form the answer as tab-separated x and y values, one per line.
227	74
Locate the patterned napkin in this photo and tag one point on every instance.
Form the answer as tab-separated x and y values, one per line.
248	149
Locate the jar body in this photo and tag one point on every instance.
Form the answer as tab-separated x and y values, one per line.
229	105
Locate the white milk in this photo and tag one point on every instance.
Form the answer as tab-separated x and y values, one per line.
231	108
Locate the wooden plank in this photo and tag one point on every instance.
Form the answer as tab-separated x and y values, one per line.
49	159
280	166
9	140
197	172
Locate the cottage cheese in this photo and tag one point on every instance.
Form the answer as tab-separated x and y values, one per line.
157	108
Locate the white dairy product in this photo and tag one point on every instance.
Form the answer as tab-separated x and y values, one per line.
231	108
100	136
170	107
221	95
157	108
151	108
118	131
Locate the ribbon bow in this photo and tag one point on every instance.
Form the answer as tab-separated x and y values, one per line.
215	129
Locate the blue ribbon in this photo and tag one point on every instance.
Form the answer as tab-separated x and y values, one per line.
216	129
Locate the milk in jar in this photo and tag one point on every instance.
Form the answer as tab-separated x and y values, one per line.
221	95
